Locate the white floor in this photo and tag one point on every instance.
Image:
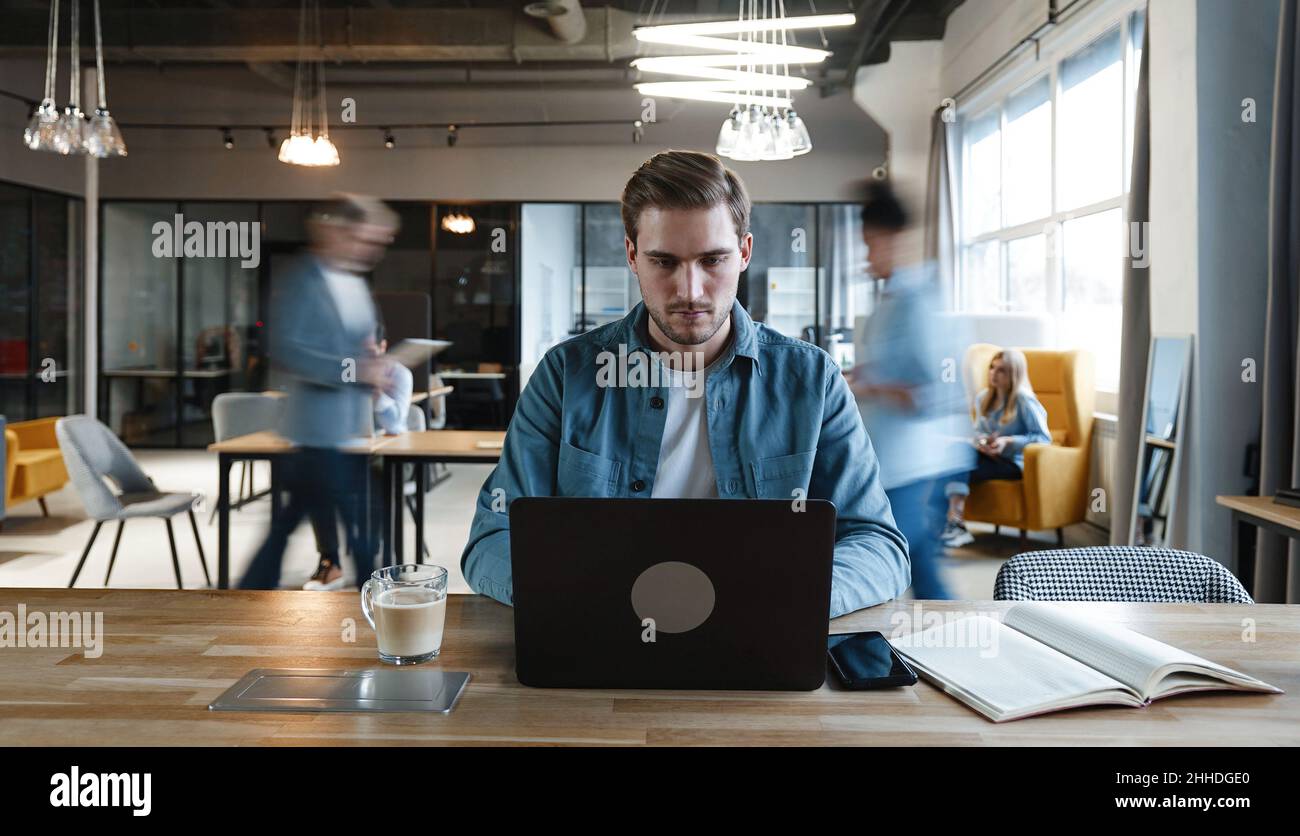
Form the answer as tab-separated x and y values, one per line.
42	552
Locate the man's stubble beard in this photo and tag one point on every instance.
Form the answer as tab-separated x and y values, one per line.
664	322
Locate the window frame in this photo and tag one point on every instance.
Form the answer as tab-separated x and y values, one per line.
1051	51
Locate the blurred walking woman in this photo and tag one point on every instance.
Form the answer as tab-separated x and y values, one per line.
1007	417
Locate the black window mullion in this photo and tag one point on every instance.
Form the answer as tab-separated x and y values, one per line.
180	332
33	285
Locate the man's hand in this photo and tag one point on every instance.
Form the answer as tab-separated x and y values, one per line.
373	371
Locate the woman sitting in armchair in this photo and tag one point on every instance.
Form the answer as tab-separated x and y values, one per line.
1007	417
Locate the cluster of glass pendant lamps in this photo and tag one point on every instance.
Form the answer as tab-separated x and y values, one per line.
309	143
750	71
70	132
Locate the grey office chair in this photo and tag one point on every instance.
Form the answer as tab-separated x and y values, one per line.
94	458
1118	573
240	413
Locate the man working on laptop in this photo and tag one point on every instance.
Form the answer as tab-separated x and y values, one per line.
688	397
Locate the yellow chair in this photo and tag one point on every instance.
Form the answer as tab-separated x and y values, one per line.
1054	491
33	463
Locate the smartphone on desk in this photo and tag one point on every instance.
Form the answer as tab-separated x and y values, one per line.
862	661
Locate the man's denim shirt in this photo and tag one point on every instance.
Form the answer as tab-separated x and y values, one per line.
782	424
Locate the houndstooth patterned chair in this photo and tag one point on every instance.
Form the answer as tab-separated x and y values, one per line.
1118	573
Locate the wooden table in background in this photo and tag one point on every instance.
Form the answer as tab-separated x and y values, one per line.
1261	512
429	447
167	654
264	446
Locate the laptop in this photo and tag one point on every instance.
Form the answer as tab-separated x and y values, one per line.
671	593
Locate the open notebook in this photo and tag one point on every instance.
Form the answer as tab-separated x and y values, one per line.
1043	658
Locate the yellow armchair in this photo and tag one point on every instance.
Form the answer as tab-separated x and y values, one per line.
1054	491
33	462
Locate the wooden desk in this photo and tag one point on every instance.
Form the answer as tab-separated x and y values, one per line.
421	448
455	375
167	654
1261	512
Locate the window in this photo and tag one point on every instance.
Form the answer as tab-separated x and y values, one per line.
40	303
1044	176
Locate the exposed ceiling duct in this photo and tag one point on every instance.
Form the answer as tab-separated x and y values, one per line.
565	17
348	35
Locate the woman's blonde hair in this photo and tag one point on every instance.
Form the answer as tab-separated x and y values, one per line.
1018	368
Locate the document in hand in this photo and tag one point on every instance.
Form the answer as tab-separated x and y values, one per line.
413	352
1042	658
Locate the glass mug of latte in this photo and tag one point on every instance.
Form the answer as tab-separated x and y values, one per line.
406	606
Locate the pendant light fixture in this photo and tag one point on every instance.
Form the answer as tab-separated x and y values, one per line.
39	135
458	222
103	139
750	72
309	143
70	133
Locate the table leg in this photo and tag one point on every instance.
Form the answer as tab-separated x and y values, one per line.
399	516
223	526
366	477
274	462
1244	563
387	502
420	469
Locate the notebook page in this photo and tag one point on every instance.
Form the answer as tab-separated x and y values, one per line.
1012	674
1117	651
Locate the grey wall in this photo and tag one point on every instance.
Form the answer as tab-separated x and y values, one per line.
1236	45
576	163
18	164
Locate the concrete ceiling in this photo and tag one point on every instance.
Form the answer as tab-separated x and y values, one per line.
430	42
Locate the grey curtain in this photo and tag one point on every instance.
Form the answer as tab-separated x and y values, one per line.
940	247
1277	573
1135	340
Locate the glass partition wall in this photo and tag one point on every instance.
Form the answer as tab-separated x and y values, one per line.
507	281
40	303
806	279
178	323
179	328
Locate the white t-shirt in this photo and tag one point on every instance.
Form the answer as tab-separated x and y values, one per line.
352	298
685	460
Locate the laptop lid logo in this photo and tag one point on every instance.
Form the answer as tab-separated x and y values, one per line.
672	597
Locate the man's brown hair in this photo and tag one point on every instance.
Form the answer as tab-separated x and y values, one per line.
684	180
349	208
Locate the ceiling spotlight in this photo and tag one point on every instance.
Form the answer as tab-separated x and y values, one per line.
227	138
271	141
452	136
389	140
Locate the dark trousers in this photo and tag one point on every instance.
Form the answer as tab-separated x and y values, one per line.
325	525
986	469
326	485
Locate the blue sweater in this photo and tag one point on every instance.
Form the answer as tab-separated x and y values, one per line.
1028	426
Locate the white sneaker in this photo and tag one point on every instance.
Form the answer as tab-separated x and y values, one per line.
323	582
955	535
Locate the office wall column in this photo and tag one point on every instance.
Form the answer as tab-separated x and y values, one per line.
90	283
